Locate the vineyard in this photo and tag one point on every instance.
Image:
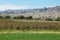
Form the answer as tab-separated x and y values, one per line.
21	25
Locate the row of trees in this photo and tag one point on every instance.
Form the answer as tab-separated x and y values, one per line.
4	17
30	18
22	17
16	17
55	19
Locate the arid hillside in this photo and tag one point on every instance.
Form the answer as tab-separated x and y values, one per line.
51	12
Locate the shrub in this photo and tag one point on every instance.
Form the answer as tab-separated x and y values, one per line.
57	19
49	19
1	17
7	17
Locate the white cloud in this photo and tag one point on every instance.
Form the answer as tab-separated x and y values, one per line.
6	5
12	6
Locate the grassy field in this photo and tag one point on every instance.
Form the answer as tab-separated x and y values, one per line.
7	24
30	36
29	30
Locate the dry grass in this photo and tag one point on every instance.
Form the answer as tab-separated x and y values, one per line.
34	26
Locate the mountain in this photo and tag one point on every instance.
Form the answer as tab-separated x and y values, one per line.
52	12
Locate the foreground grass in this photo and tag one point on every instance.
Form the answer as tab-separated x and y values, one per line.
30	36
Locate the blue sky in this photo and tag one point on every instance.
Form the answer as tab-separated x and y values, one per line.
27	4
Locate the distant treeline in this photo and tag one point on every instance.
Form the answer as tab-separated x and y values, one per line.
16	17
30	18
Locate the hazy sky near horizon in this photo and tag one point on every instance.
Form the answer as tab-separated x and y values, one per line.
27	4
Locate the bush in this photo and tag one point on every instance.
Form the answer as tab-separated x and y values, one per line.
49	19
15	17
22	17
7	17
57	19
1	17
19	17
29	17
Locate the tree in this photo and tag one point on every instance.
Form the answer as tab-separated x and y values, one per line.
57	19
1	17
22	17
15	17
30	17
19	17
7	17
49	19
